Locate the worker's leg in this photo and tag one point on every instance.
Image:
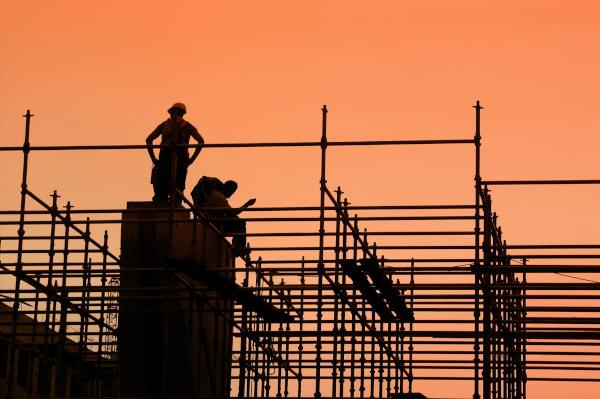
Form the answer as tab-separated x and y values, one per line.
238	226
154	182
180	176
162	177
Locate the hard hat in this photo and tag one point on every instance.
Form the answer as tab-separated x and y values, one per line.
180	106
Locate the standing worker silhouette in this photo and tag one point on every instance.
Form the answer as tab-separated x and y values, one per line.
172	162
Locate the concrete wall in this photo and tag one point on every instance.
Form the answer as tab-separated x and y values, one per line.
170	342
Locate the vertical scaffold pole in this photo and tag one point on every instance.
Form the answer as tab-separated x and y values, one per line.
257	328
476	314
524	332
280	376
335	363
102	310
44	385
372	338
411	326
321	266
269	344
301	325
363	339
19	263
489	293
286	386
382	368
400	327
59	376
243	338
353	343
84	274
344	251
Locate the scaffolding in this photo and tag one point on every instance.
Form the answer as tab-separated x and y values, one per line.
338	317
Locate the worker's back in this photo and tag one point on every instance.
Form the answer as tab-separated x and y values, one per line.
203	190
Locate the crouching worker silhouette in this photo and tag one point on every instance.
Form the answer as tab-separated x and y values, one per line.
203	190
219	199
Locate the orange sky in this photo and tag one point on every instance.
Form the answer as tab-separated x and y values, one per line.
261	70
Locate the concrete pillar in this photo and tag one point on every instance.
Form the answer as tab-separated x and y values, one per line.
170	342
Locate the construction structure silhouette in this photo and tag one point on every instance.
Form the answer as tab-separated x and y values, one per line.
177	315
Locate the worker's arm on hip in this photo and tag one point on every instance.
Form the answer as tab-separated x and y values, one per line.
150	139
194	133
